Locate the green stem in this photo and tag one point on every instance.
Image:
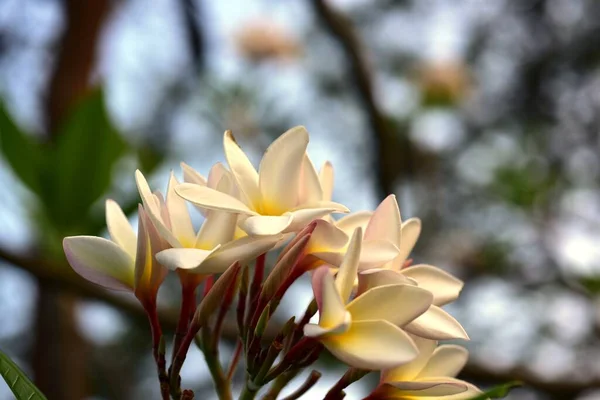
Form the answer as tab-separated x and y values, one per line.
351	376
211	355
249	391
280	382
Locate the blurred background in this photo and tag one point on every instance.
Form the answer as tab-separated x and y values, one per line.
481	116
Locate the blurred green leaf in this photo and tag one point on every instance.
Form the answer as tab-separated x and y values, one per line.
498	391
523	186
21	151
149	158
87	148
591	284
17	381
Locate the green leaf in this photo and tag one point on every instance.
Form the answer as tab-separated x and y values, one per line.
591	284
497	392
21	151
87	148
17	381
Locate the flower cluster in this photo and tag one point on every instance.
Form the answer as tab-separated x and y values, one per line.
376	310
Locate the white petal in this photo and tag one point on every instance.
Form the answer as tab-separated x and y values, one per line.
346	276
187	259
471	392
327	237
266	224
410	371
211	199
306	215
375	277
316	280
152	205
431	388
310	187
181	223
279	171
445	287
216	173
326	181
372	345
314	330
217	228
437	324
242	250
385	223
243	171
447	360
398	304
121	231
332	313
349	223
190	175
100	261
376	253
149	274
411	229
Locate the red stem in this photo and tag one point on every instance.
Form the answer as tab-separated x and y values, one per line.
208	284
188	307
227	300
159	357
256	303
181	354
235	360
259	274
261	303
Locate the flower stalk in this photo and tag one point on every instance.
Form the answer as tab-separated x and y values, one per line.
158	349
188	307
337	391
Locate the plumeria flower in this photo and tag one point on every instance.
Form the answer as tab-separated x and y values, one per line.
328	244
268	201
190	175
125	262
436	323
364	332
212	249
315	186
431	375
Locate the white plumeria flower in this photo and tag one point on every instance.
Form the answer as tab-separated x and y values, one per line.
125	262
386	222
212	249
364	332
329	243
431	375
315	186
269	200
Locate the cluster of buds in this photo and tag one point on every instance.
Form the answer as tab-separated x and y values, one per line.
376	310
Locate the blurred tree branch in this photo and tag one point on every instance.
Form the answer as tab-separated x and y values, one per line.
47	272
385	138
193	32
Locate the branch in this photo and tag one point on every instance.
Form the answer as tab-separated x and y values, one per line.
62	277
341	30
569	388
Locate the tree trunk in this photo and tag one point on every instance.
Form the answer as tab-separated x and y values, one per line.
60	353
